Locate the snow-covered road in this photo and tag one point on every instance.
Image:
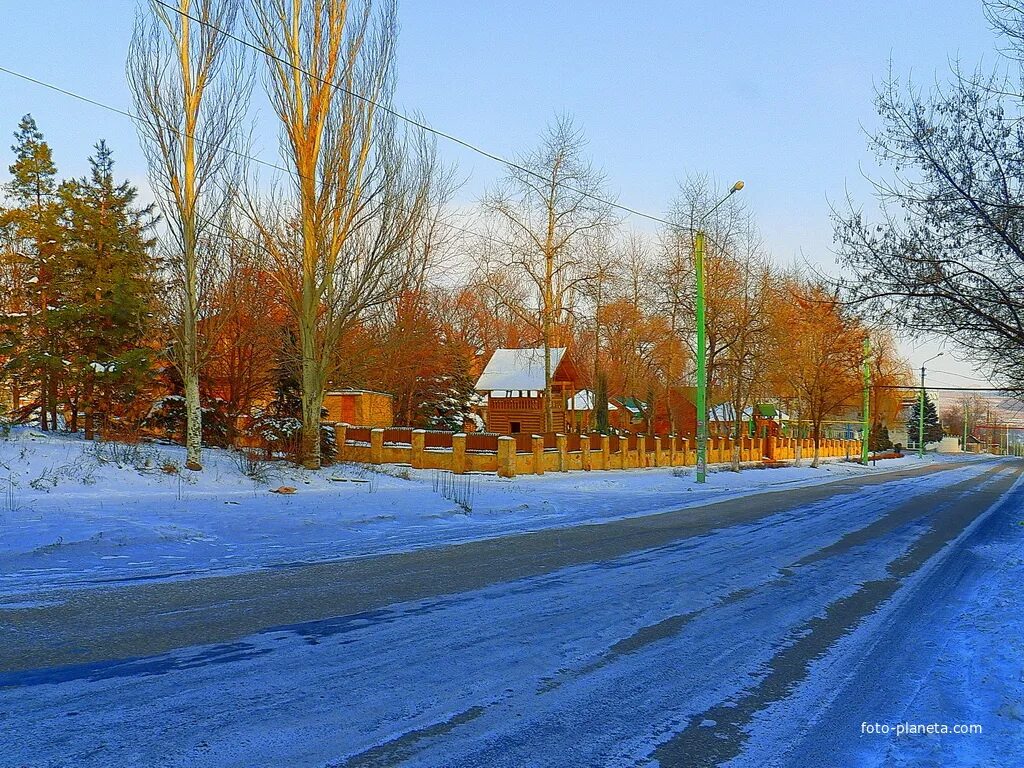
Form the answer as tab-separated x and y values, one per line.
755	631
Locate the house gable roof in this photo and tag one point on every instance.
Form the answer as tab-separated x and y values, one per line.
523	369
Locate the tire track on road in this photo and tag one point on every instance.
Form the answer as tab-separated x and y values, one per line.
700	746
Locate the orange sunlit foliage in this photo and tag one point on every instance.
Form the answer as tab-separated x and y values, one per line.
819	351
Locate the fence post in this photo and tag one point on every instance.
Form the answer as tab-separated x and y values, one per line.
339	440
419	438
659	452
562	444
506	456
459	453
605	452
377	446
641	451
537	441
585	452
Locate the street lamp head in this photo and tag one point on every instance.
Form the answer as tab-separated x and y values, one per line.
736	187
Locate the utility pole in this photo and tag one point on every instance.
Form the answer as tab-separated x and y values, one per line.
920	409
702	370
866	426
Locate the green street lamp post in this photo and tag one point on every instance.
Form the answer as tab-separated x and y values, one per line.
920	409
702	371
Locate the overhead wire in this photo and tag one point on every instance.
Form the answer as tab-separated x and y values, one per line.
419	123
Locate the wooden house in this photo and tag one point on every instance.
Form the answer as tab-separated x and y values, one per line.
513	382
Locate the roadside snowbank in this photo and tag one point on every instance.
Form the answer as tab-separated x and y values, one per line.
76	514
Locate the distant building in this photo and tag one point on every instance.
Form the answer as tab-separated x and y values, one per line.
582	411
359	407
513	382
759	420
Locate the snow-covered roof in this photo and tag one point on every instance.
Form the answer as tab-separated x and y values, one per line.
517	369
584	401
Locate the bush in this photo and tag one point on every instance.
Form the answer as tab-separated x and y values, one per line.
283	435
167	416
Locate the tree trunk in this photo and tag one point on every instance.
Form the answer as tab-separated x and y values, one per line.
88	407
193	422
312	402
737	441
799	437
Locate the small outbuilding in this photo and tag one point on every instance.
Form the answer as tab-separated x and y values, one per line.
360	408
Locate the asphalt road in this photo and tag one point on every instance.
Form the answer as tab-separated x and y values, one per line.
652	640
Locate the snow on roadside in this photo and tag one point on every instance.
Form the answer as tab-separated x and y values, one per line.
74	513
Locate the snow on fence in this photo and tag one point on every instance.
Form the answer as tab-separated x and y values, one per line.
523	454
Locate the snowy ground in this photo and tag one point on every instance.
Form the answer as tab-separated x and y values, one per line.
763	643
80	514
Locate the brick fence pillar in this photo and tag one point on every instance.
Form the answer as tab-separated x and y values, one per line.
419	438
340	437
585	452
459	453
506	456
377	446
538	454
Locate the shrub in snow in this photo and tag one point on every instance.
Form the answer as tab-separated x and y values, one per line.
167	415
283	435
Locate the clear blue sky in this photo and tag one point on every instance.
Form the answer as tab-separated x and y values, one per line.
775	93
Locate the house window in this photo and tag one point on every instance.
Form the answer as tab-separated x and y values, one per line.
515	427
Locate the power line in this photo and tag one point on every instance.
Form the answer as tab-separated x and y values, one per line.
241	155
951	373
417	123
949	389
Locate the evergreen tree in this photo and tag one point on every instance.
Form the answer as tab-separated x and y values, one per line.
879	438
109	289
29	341
600	404
932	426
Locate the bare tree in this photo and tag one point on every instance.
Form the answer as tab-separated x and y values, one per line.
746	332
340	236
735	269
190	90
944	253
543	212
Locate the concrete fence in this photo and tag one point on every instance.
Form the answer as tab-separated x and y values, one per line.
591	452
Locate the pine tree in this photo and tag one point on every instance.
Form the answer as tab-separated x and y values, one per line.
29	345
879	439
109	287
932	426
